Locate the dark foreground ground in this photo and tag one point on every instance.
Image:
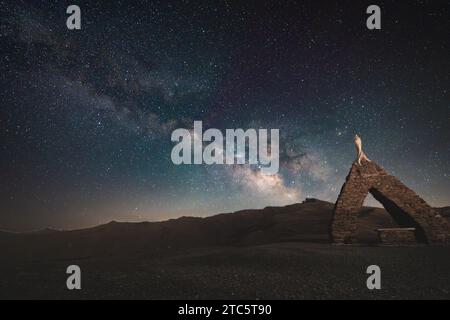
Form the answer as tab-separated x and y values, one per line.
273	271
272	253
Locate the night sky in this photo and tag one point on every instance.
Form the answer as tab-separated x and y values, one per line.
86	115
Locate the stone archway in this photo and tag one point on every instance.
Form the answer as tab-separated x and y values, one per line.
404	205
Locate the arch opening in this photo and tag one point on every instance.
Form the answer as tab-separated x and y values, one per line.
400	216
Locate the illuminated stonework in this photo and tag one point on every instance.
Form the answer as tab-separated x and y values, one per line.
404	205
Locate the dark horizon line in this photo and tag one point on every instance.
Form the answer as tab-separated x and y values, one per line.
48	228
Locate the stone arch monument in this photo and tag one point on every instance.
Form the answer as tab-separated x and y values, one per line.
403	204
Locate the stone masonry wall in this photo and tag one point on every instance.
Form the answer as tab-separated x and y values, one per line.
405	206
397	236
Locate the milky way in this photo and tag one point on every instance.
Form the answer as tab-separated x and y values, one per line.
86	115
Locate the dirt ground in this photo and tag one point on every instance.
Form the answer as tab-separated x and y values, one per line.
274	271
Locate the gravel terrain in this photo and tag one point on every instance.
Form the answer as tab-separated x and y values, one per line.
274	271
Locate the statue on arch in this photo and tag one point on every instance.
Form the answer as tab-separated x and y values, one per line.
360	154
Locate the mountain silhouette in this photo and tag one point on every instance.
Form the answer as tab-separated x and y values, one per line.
308	221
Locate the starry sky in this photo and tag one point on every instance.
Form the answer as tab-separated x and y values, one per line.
86	115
